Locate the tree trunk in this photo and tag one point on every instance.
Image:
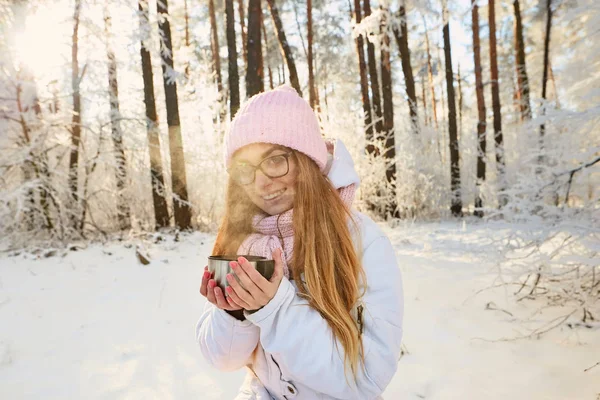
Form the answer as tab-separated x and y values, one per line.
124	215
546	65
517	104
299	26
161	213
182	211
315	76
312	98
364	84
75	119
38	164
411	93
424	98
444	95
388	117
522	80
481	124
460	103
243	29
430	76
264	31
214	45
254	72
233	75
551	72
285	48
456	206
375	89
500	164
186	17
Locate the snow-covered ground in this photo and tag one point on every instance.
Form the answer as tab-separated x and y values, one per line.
97	324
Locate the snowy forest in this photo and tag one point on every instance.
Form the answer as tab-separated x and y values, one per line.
473	125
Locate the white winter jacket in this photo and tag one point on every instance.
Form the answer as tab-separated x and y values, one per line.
289	349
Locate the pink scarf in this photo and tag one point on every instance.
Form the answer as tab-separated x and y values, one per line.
277	232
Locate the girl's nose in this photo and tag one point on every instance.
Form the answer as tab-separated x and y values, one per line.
261	180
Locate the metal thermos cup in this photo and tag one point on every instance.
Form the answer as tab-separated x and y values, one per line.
219	265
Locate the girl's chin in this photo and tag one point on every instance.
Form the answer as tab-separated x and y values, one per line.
276	208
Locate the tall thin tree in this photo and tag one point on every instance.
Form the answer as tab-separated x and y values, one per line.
243	30
456	202
424	101
430	75
214	45
254	71
388	115
267	53
182	211
76	118
362	68
546	66
186	18
286	50
522	79
498	136
312	98
233	75
35	163
460	102
117	133
401	35
481	123
374	79
161	212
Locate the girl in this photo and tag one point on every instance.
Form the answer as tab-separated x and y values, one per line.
328	323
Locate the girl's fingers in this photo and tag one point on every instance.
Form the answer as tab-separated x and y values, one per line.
210	291
241	293
221	302
255	276
241	272
278	271
233	304
204	284
236	299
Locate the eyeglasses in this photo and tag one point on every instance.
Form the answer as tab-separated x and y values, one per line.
273	167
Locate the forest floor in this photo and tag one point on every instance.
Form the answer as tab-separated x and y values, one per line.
95	323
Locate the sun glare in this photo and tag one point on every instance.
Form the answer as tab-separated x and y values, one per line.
41	45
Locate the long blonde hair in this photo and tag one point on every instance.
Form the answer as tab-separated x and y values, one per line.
323	250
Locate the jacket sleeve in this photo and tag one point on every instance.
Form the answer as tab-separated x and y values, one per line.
226	342
297	336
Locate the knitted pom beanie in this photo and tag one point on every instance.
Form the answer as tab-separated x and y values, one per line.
279	116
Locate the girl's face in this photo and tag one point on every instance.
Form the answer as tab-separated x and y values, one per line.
267	173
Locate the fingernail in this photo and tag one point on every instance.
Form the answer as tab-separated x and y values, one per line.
229	277
233	264
206	274
229	289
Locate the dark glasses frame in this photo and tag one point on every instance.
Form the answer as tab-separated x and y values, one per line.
286	156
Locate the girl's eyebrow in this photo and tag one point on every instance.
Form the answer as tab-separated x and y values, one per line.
263	155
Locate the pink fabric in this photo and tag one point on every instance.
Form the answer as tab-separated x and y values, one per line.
279	116
277	231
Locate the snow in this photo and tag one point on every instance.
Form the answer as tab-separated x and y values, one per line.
97	324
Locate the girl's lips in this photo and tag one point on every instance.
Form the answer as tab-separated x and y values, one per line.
277	193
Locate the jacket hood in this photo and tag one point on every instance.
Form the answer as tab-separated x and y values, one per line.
340	166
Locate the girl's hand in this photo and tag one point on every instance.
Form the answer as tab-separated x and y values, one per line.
256	291
214	294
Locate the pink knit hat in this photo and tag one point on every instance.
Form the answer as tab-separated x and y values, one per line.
279	116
